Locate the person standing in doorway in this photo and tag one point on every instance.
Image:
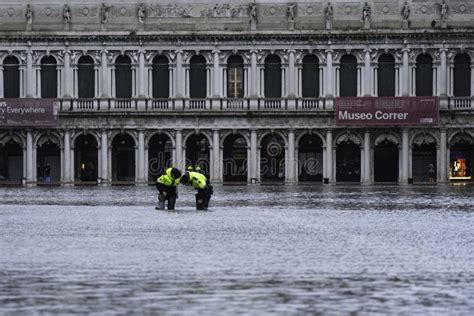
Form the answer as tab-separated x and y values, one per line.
431	173
47	173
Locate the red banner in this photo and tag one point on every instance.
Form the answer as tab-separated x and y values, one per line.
387	110
28	113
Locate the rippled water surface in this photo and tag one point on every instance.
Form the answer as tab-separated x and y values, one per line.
259	250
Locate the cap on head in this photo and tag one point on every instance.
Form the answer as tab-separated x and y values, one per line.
175	173
185	178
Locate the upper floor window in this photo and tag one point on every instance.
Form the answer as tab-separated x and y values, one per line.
386	76
11	77
348	76
462	75
49	77
198	77
161	78
123	77
86	77
310	76
272	77
424	75
235	77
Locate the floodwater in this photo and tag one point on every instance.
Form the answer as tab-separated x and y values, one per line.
258	250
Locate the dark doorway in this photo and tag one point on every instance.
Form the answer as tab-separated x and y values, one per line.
161	77
386	162
197	77
423	159
86	159
348	76
461	167
160	149
386	76
11	162
197	152
347	162
310	158
123	77
123	158
235	158
272	75
48	162
424	75
310	74
462	75
272	158
49	77
86	77
11	77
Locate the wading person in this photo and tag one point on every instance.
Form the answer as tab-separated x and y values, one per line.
167	184
204	188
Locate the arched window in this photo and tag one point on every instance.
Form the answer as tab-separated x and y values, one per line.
235	77
348	76
123	77
310	76
49	77
197	77
86	77
11	77
161	78
424	75
462	75
386	76
273	77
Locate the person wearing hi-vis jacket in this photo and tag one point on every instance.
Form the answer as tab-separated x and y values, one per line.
204	189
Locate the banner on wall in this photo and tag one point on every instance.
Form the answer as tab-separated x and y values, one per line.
28	113
387	110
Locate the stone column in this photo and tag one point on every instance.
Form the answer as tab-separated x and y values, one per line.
367	74
405	74
405	156
329	80
290	164
142	75
443	153
104	76
141	157
367	175
179	76
329	160
179	161
1	81
215	160
104	161
254	84
443	87
67	75
216	75
29	75
291	75
67	157
253	159
29	158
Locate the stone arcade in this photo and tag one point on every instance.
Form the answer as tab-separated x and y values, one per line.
245	89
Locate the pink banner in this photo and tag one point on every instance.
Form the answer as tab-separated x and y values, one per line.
28	113
387	110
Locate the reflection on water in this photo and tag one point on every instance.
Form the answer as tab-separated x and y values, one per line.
260	249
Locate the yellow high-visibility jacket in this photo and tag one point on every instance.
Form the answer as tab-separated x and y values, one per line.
167	179
198	180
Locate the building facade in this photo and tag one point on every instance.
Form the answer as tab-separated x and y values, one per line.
245	90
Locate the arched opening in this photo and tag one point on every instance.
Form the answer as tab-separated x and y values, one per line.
424	75
386	76
386	161
235	158
198	152
11	162
86	159
272	158
11	77
272	75
49	77
161	77
235	77
347	162
197	77
310	76
48	162
123	158
462	75
424	161
123	77
160	151
310	158
461	165
348	76
86	77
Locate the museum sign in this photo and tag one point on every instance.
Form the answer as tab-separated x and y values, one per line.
387	110
28	113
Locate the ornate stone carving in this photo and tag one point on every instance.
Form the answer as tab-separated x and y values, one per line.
348	8
274	10
170	11
29	15
122	11
312	9
66	14
385	8
85	11
405	12
224	10
424	9
424	138
104	13
443	10
252	11
49	12
10	12
291	12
